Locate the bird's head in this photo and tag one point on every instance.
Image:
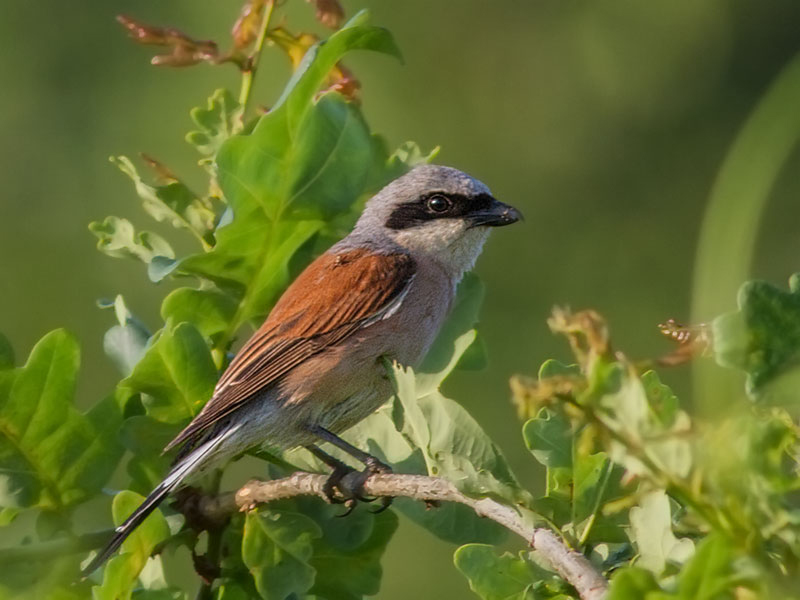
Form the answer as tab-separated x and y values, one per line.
438	213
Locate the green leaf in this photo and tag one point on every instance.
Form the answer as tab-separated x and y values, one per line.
465	454
554	368
651	533
661	399
633	583
52	579
453	444
233	590
763	337
51	455
174	202
145	436
176	375
452	345
124	343
322	57
625	403
122	571
216	122
451	522
276	548
711	574
347	558
304	161
117	237
7	515
494	577
407	156
549	438
210	311
159	594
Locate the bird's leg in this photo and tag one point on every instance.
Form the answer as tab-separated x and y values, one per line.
373	465
339	471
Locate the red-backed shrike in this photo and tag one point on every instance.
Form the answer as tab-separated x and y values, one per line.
315	367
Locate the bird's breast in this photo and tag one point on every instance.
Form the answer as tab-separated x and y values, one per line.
407	334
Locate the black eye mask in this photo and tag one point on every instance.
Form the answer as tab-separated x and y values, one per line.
412	214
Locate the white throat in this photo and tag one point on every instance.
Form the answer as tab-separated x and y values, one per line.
446	241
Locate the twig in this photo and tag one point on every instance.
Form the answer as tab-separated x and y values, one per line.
249	74
571	565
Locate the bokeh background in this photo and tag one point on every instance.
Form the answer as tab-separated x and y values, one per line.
604	121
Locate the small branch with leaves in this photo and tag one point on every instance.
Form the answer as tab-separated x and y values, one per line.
569	564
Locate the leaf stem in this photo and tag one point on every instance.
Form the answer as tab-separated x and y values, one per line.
252	63
597	503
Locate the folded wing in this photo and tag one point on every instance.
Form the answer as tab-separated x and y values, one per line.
335	296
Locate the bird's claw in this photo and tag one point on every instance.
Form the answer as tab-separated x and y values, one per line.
333	483
350	505
346	486
386	502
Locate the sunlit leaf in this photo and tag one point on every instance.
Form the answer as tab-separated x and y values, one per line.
51	455
549	438
215	122
125	343
118	238
321	58
210	311
174	202
176	374
651	532
122	571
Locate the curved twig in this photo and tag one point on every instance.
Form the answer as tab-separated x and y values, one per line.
569	564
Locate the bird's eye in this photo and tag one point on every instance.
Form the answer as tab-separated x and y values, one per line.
439	203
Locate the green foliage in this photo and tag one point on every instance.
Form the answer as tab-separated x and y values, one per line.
763	337
53	457
494	577
176	374
217	122
276	548
679	511
122	572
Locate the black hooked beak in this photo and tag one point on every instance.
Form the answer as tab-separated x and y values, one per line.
497	214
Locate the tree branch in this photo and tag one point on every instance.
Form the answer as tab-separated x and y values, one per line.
569	564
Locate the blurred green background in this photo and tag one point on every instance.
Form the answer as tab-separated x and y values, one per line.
604	121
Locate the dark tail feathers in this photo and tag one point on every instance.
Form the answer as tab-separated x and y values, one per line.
181	470
131	523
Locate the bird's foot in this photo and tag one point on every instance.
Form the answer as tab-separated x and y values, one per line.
346	485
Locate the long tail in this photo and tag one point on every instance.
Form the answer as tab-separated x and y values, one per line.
181	470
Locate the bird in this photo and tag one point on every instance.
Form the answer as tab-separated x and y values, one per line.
316	366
